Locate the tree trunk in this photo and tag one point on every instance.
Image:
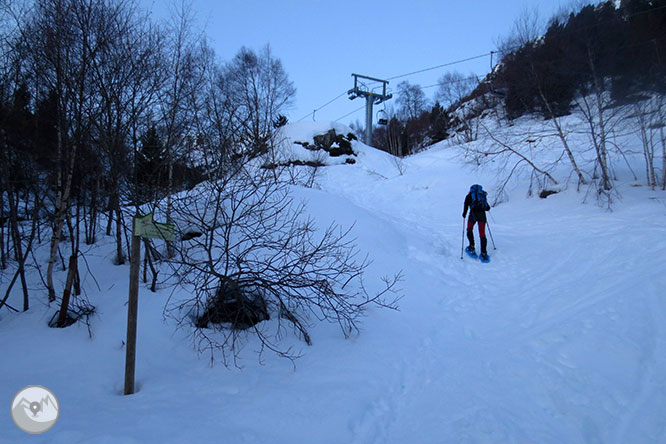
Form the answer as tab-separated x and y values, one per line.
563	138
119	233
62	205
23	256
18	246
663	157
600	144
3	302
64	305
55	242
110	208
92	226
572	160
169	220
153	270
3	222
145	265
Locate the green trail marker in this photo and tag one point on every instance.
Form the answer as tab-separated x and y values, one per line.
145	227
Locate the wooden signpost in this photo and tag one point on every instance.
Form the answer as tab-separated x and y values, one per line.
143	226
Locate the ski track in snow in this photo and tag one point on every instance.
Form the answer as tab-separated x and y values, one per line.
536	331
652	389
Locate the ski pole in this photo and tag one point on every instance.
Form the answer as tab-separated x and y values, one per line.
491	235
462	241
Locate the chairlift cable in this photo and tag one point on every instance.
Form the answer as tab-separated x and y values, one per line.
324	105
440	66
349	114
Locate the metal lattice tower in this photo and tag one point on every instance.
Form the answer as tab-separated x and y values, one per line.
371	98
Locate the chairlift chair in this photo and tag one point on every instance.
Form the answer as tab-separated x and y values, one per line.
382	117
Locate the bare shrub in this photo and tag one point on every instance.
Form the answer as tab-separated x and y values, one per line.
260	257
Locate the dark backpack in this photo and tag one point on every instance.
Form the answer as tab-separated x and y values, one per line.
479	201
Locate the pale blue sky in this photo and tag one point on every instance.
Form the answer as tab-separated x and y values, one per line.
321	43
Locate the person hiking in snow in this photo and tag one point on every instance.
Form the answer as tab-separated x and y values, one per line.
477	204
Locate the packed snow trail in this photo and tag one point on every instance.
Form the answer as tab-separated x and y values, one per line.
550	342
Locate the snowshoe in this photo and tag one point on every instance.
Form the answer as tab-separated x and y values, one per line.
484	257
471	252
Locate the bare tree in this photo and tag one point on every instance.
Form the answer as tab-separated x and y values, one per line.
81	60
662	114
647	140
395	139
183	60
648	119
594	104
18	184
127	72
453	92
259	85
412	101
61	48
527	28
110	72
257	258
218	127
554	119
22	243
454	87
358	128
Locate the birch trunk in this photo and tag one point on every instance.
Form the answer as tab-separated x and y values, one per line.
563	138
663	157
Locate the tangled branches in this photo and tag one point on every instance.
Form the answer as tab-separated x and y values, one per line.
252	256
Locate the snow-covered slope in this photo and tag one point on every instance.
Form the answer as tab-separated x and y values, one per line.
561	338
